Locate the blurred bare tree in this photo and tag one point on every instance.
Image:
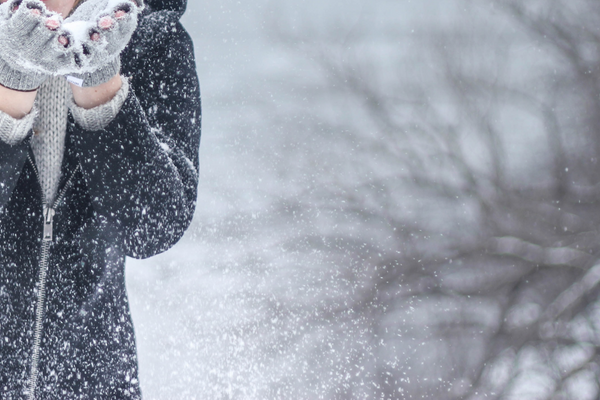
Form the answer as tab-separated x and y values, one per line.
458	194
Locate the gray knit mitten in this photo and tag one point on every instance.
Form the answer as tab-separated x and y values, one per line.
102	29
32	44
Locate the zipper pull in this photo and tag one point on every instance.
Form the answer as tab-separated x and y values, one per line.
48	216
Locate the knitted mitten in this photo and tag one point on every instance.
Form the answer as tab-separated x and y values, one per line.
32	44
102	28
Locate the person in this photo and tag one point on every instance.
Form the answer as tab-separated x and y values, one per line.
99	138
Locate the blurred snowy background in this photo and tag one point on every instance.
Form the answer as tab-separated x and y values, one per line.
398	200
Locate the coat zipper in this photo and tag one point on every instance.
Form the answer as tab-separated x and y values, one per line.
47	238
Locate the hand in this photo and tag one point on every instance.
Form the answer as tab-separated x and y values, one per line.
32	44
101	29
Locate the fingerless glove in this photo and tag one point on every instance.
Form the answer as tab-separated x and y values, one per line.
32	44
101	30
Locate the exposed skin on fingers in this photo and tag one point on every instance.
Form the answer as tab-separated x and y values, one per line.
53	24
63	40
120	14
106	22
95	36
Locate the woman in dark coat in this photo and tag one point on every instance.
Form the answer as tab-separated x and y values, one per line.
127	187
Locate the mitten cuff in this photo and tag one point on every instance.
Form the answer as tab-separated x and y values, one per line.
12	130
97	77
20	80
98	117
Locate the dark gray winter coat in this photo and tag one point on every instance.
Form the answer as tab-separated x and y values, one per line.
127	190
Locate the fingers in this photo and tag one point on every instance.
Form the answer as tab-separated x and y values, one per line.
53	23
64	40
120	12
127	8
109	22
106	22
34	7
32	12
13	6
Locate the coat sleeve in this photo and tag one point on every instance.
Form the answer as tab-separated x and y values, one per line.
12	159
141	170
14	146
